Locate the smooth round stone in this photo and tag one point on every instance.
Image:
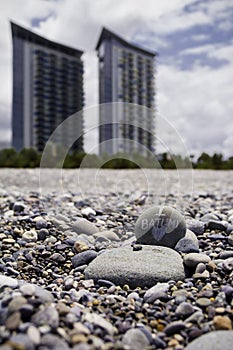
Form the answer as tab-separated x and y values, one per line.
208	217
186	245
190	235
217	340
82	225
22	341
216	225
174	327
184	309
203	302
135	339
193	259
19	207
228	264
109	234
84	258
226	254
159	291
142	268
53	342
196	226
160	225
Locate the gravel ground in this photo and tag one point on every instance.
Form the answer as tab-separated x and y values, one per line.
53	231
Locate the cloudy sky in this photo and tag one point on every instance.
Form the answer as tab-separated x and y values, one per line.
194	39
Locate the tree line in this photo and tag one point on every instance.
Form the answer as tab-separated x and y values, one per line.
30	158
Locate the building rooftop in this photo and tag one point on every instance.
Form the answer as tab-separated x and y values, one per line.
106	34
20	32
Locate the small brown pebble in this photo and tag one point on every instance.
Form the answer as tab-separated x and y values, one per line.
62	308
13	321
203	302
153	323
173	342
222	322
211	266
78	338
79	246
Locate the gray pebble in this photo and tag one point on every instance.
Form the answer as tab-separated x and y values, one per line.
84	258
201	267
48	316
196	226
28	289
228	264
193	259
109	234
184	309
216	225
190	235
19	207
208	217
186	245
196	317
135	339
156	292
226	254
174	327
30	236
100	322
53	342
22	341
84	226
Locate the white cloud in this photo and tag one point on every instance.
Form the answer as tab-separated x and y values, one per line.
199	104
218	51
200	37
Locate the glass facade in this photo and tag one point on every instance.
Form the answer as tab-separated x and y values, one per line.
47	89
126	74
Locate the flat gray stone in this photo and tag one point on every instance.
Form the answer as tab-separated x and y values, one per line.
217	225
217	340
160	225
142	268
208	217
109	234
82	225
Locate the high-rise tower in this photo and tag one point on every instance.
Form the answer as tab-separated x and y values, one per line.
47	89
126	74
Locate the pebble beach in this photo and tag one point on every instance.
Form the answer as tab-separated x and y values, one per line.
76	274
